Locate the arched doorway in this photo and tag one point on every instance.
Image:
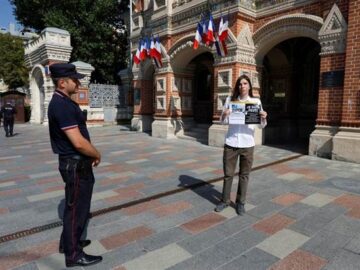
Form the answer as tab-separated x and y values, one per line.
290	84
37	95
203	87
149	84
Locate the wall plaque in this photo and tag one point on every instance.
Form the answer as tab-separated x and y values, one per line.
332	78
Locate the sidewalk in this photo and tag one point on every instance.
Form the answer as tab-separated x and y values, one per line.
301	214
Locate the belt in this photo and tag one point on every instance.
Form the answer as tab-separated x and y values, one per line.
74	157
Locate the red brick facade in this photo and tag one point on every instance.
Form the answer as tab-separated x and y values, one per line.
351	95
337	106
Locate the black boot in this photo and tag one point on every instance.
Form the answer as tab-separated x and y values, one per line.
84	260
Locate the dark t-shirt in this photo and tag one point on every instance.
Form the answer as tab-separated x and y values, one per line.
8	111
63	114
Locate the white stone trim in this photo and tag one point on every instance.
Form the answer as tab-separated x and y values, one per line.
175	103
161	84
245	37
332	34
161	103
225	78
346	145
221	98
41	89
52	44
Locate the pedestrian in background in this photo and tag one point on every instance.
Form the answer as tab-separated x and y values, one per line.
70	139
239	145
8	112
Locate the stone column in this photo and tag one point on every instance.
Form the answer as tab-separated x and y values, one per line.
165	124
332	38
94	115
347	141
240	60
142	101
125	112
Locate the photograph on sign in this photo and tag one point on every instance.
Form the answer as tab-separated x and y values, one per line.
244	113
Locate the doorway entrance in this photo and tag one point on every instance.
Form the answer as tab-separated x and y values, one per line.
290	88
203	88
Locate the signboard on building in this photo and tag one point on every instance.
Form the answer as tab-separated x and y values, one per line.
332	78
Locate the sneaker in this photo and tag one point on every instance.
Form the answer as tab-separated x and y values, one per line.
240	209
221	206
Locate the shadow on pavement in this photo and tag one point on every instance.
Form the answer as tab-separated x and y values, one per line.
200	187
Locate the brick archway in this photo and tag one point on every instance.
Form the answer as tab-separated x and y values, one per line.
182	52
283	28
37	91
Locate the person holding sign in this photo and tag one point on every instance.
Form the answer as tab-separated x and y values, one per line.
243	113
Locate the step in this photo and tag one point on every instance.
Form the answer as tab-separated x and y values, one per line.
203	126
199	129
203	140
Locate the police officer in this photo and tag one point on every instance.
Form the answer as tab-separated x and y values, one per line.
71	141
8	112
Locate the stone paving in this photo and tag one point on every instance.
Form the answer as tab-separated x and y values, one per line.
301	214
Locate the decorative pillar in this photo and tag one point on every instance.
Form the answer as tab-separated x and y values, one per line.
125	110
52	46
166	119
332	38
347	141
94	115
240	60
142	98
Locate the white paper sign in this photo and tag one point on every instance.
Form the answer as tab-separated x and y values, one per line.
237	113
244	113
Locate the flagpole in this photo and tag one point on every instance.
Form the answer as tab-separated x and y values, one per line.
130	32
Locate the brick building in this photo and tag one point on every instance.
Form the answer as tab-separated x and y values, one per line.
302	57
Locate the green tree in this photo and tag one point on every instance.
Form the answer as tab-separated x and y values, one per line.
12	65
97	30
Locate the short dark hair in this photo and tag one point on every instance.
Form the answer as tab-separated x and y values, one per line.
56	80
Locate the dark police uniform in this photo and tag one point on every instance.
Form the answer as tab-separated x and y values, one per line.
8	113
75	169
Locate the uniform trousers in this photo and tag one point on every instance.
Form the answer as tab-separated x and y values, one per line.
230	159
79	181
8	126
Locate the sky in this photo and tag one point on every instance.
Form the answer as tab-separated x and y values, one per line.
6	15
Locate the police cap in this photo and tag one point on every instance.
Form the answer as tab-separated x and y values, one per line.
64	70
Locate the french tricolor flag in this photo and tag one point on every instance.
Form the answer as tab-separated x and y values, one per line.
148	46
157	57
152	48
143	52
221	48
137	59
204	31
157	62
210	31
158	48
198	36
223	29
